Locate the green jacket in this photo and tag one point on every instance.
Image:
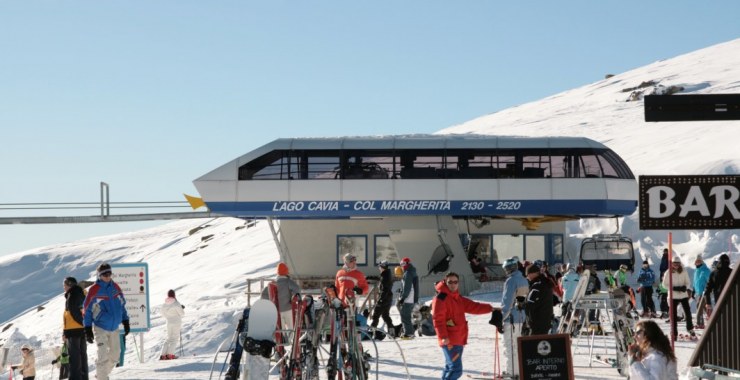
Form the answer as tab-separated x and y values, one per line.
63	357
622	277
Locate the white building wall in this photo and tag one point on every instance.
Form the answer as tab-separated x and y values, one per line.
312	244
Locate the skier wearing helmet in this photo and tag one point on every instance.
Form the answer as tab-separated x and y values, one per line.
516	288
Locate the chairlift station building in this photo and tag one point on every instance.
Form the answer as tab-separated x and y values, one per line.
388	197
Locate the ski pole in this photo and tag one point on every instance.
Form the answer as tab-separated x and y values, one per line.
181	354
497	359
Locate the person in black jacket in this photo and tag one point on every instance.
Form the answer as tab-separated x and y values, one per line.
539	304
74	330
664	262
385	298
718	278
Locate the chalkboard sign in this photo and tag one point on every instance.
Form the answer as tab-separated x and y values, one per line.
545	357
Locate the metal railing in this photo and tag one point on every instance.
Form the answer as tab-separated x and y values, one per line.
720	346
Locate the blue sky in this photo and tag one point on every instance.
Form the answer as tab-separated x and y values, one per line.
147	96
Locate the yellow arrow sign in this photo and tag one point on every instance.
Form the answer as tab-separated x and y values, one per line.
195	202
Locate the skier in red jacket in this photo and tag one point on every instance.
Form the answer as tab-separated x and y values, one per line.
448	313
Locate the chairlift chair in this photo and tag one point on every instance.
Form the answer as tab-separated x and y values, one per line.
607	251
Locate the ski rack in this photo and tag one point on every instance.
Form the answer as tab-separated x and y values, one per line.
613	303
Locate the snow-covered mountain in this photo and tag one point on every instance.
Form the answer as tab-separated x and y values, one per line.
611	111
207	261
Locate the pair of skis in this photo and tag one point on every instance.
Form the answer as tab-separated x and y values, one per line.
346	357
303	354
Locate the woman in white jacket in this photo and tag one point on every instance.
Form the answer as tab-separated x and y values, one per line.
651	356
681	289
173	312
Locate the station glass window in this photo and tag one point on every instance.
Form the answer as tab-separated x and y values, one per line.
354	244
385	250
507	245
534	247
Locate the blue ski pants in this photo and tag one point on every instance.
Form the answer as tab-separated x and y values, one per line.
453	362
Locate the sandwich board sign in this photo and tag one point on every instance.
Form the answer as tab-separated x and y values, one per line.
545	357
133	278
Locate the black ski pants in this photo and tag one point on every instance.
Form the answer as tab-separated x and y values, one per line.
77	349
684	302
382	310
646	298
663	302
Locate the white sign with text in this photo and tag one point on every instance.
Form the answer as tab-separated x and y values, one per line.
134	282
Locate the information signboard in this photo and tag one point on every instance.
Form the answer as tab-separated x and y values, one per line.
545	357
134	282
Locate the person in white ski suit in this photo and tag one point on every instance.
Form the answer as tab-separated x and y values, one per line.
516	288
173	312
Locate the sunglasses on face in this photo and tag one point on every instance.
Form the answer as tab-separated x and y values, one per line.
451	282
106	274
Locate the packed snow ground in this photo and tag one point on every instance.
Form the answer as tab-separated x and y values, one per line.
207	264
208	261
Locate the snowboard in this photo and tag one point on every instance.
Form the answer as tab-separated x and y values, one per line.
232	373
572	318
260	339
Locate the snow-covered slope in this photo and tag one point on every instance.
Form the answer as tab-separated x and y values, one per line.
205	261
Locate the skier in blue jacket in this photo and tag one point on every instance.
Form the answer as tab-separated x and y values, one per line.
516	288
105	311
701	277
646	278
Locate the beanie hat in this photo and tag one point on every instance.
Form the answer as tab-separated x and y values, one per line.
533	269
348	258
676	259
645	262
383	264
104	268
26	347
398	272
282	269
70	281
171	293
405	262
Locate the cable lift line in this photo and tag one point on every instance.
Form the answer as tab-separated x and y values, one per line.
105	205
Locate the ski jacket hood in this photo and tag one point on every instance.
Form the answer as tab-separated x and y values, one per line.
28	365
172	310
